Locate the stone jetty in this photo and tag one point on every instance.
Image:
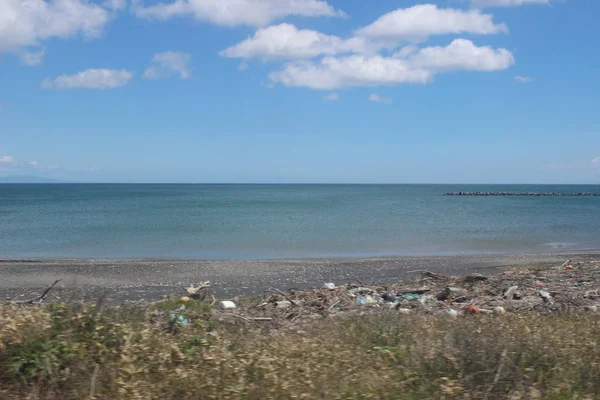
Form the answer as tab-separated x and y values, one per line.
530	194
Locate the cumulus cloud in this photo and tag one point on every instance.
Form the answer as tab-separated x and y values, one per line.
505	3
414	66
523	79
406	51
461	54
419	22
168	63
33	57
356	70
236	12
26	23
333	96
378	99
595	161
6	159
115	4
90	79
285	41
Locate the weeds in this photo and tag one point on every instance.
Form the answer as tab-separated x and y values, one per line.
78	352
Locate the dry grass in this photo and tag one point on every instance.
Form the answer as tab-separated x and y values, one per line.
77	352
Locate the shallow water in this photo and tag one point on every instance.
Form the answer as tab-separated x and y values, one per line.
284	221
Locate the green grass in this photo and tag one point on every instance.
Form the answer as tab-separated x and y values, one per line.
80	352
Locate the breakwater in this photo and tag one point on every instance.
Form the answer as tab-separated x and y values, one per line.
531	194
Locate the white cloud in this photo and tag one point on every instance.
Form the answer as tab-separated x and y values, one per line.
593	163
33	57
37	165
243	66
461	54
524	79
406	51
26	23
285	41
115	4
378	99
90	79
236	12
417	23
357	70
333	96
417	66
6	159
505	3
168	63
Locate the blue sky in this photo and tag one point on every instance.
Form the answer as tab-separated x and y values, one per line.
392	91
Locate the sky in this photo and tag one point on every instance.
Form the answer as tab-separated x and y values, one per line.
301	91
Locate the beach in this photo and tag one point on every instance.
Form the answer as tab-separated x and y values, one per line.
119	280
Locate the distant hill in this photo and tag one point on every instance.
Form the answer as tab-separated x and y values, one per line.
28	179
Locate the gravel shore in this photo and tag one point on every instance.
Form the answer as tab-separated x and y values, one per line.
134	280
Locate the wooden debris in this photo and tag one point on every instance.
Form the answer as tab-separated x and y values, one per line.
357	280
475	278
566	263
285	295
195	290
430	274
450	293
494	294
40	298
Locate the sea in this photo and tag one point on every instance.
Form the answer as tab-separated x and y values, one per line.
231	221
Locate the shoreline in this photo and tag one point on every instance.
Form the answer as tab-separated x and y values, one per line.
119	280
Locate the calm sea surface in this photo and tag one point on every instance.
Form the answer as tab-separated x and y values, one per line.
279	221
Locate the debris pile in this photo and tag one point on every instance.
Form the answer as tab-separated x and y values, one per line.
570	287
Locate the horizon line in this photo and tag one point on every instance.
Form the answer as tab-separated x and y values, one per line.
58	182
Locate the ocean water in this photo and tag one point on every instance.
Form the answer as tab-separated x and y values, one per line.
289	221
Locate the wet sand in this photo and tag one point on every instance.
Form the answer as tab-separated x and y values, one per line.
132	280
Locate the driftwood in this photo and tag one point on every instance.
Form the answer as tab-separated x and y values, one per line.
194	292
40	298
566	263
294	303
429	274
450	293
475	278
357	280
